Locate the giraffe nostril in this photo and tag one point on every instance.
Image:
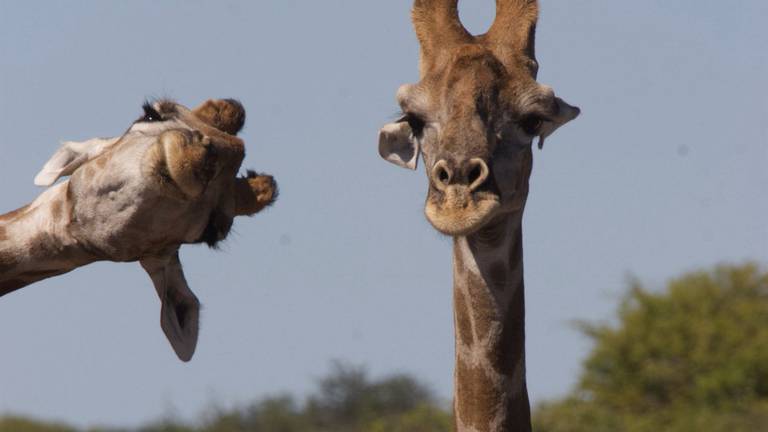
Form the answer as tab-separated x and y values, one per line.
443	176
475	174
478	173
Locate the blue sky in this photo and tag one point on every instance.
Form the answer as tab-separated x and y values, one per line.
664	172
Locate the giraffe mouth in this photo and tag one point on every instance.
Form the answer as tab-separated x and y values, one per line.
459	212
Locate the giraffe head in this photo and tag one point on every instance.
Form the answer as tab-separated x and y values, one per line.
170	179
474	114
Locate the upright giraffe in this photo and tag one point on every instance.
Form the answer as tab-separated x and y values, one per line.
170	179
473	117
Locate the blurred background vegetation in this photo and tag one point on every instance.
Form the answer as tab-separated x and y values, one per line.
692	357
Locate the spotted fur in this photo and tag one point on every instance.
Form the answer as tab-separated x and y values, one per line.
171	179
472	118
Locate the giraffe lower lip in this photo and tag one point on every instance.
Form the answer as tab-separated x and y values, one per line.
460	220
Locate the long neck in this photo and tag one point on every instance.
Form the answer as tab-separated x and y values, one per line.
35	243
490	391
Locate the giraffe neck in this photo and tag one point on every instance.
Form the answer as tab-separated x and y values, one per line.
490	391
35	243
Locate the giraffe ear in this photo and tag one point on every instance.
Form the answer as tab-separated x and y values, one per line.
179	315
70	156
565	114
398	145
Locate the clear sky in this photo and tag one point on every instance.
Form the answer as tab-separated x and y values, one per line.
664	172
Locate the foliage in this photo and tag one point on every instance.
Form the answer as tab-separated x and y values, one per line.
18	424
691	358
346	400
423	418
279	414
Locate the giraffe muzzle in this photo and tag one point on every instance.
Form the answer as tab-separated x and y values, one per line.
458	204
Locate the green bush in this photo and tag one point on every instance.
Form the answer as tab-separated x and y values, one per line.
691	358
19	424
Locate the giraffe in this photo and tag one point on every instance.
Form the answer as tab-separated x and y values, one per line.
170	179
472	118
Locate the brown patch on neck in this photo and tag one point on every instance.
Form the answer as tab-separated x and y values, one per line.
463	318
483	307
49	252
477	397
44	245
491	392
10	216
3	234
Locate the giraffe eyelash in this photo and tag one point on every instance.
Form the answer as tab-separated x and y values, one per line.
416	123
150	114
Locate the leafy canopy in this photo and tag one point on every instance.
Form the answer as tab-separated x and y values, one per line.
693	357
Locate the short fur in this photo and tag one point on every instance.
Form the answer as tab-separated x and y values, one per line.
473	117
171	179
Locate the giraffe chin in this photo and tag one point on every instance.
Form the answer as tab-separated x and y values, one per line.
461	220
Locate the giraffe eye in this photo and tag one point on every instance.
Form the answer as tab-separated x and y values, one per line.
531	125
150	114
416	123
